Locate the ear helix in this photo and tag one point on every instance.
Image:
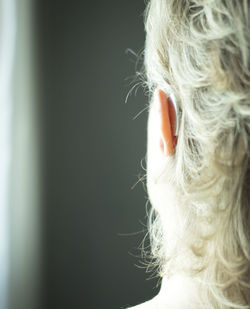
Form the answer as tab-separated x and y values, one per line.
168	124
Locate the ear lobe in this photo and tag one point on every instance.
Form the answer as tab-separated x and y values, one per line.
167	124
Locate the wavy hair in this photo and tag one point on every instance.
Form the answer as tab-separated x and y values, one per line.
199	50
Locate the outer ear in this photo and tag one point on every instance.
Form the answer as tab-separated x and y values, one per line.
167	124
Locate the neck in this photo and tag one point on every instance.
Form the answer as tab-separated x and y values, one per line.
179	291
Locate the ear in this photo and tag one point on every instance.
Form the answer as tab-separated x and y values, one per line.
168	140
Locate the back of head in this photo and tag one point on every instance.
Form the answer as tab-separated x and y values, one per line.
199	50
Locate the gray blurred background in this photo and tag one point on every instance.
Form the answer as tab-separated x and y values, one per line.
74	222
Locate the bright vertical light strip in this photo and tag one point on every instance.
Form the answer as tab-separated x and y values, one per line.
7	48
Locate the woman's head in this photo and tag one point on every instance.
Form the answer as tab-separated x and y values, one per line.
199	53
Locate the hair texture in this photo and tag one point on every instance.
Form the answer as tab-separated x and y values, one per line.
199	50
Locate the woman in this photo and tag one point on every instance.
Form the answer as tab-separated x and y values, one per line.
197	64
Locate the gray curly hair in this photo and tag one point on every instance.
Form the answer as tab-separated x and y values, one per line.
200	50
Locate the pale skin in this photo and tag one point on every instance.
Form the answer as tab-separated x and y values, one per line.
179	291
